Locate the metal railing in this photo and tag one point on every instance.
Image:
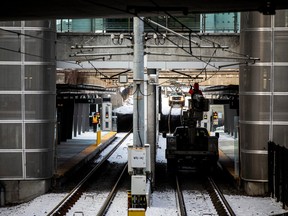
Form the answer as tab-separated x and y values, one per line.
278	172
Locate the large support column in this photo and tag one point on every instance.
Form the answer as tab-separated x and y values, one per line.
75	119
139	126
139	152
85	118
263	95
27	108
153	123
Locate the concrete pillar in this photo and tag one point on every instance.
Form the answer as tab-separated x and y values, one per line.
263	95
85	117
139	124
75	119
153	125
80	113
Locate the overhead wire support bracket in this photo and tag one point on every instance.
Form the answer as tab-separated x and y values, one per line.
199	56
196	47
101	47
99	54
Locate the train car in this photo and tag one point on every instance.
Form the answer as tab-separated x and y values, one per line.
189	145
177	99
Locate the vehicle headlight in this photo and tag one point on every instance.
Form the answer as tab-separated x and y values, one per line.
171	143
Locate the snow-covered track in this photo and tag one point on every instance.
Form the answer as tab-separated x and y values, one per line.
220	203
73	196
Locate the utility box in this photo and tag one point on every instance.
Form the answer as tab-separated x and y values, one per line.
139	157
138	185
106	116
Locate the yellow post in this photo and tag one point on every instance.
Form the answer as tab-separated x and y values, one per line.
129	199
136	212
98	141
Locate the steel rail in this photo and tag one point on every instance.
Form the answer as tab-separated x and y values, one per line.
77	191
180	198
223	208
104	208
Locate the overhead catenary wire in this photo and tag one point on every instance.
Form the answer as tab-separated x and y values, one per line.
146	20
97	71
215	45
199	56
31	54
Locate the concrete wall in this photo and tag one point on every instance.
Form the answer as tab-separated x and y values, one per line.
66	40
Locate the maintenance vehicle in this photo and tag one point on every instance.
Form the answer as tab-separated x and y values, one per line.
191	146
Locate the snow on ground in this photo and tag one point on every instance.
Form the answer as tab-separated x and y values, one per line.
163	203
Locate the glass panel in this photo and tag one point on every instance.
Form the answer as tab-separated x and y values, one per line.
261	48
280	108
40	136
281	77
81	25
11	42
280	135
10	77
254	107
39	23
99	25
251	142
41	50
10	107
255	19
40	106
281	46
118	25
11	170
39	77
191	21
10	24
11	136
281	18
254	166
255	78
63	25
222	22
39	164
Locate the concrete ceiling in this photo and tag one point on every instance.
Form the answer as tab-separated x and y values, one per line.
58	9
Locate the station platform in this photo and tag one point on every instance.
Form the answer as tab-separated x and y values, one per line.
228	155
74	153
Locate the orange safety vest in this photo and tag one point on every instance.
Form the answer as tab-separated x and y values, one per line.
95	120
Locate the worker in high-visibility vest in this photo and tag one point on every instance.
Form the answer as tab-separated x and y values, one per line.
95	121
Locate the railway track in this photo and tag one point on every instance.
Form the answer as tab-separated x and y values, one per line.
220	204
180	198
104	208
74	195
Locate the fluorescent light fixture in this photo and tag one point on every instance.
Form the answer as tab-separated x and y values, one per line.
123	78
